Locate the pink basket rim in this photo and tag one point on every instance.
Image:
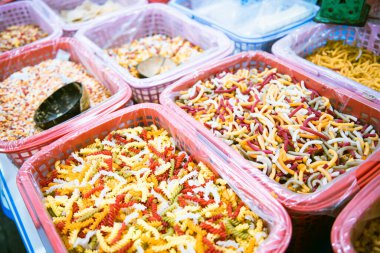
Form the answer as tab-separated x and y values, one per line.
293	201
225	47
281	49
25	181
56	31
343	225
122	96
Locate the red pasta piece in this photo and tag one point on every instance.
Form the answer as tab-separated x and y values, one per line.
178	160
103	152
211	247
229	210
134	150
75	207
237	210
49	179
202	202
178	230
119	139
215	217
144	135
119	233
126	247
60	225
92	191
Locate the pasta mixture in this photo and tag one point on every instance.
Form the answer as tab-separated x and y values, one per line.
23	91
289	132
356	63
89	10
369	240
135	192
19	35
178	49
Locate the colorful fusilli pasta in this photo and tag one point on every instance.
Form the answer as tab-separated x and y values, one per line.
135	192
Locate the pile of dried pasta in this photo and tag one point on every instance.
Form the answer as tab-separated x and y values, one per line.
369	240
286	130
356	63
135	192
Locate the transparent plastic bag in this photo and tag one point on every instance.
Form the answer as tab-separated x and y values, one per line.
67	49
253	18
348	226
296	46
144	115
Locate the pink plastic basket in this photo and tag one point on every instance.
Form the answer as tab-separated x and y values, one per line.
351	221
25	13
309	212
51	9
143	115
150	20
294	47
19	151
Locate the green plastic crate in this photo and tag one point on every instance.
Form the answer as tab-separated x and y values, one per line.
343	12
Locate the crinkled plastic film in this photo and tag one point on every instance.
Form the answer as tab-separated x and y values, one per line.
18	151
351	221
51	9
325	201
294	47
249	23
25	13
142	115
375	9
150	20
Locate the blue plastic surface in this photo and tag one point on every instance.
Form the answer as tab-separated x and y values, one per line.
15	209
245	43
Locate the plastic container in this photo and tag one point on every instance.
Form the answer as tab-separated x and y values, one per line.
150	20
303	42
351	221
20	150
16	209
309	212
247	42
139	115
51	9
27	13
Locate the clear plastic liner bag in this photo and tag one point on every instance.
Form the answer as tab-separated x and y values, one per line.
74	14
349	225
326	200
144	22
311	213
64	51
249	191
303	42
253	18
